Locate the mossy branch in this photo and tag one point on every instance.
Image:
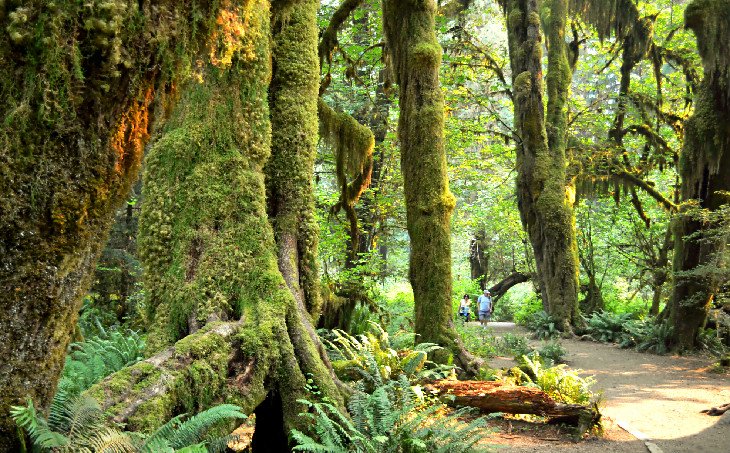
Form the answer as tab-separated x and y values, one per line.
647	187
353	145
328	42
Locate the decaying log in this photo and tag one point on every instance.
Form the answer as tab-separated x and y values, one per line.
719	410
490	397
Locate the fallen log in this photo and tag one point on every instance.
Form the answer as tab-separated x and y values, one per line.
493	396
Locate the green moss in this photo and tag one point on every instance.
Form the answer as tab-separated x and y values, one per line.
289	173
77	84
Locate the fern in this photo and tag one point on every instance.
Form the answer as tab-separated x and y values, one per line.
560	382
371	357
392	418
77	424
607	327
543	326
96	358
179	434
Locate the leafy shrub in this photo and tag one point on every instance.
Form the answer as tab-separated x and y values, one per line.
543	326
607	327
553	352
399	313
527	310
515	345
393	418
478	341
560	382
78	424
711	342
646	336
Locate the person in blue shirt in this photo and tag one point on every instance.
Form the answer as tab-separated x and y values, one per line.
484	304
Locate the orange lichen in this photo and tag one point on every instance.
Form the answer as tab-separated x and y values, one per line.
132	133
230	34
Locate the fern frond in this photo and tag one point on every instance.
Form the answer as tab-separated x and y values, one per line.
37	428
194	429
110	440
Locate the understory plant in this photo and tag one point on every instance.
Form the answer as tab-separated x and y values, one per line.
560	382
394	418
543	326
97	357
371	357
78	424
607	327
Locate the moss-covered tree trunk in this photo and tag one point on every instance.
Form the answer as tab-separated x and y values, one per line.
416	55
705	172
230	320
544	196
293	98
76	100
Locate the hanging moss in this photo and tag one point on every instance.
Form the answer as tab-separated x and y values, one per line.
710	21
608	16
352	145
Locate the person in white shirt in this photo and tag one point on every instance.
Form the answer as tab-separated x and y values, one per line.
465	308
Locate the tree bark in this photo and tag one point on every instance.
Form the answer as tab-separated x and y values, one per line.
479	259
416	54
77	95
293	98
705	171
544	197
211	253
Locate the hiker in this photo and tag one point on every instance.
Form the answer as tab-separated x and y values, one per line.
465	308
484	304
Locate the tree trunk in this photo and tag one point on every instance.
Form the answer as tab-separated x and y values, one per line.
77	97
206	241
705	171
660	272
479	258
544	197
289	172
416	55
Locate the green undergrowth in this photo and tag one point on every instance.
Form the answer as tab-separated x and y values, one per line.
388	410
394	417
78	424
485	344
562	383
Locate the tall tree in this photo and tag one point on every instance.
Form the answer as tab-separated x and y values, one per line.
705	171
416	55
545	198
77	91
231	320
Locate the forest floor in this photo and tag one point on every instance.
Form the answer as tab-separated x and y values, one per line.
658	398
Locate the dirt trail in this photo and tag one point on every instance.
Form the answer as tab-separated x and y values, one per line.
659	396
